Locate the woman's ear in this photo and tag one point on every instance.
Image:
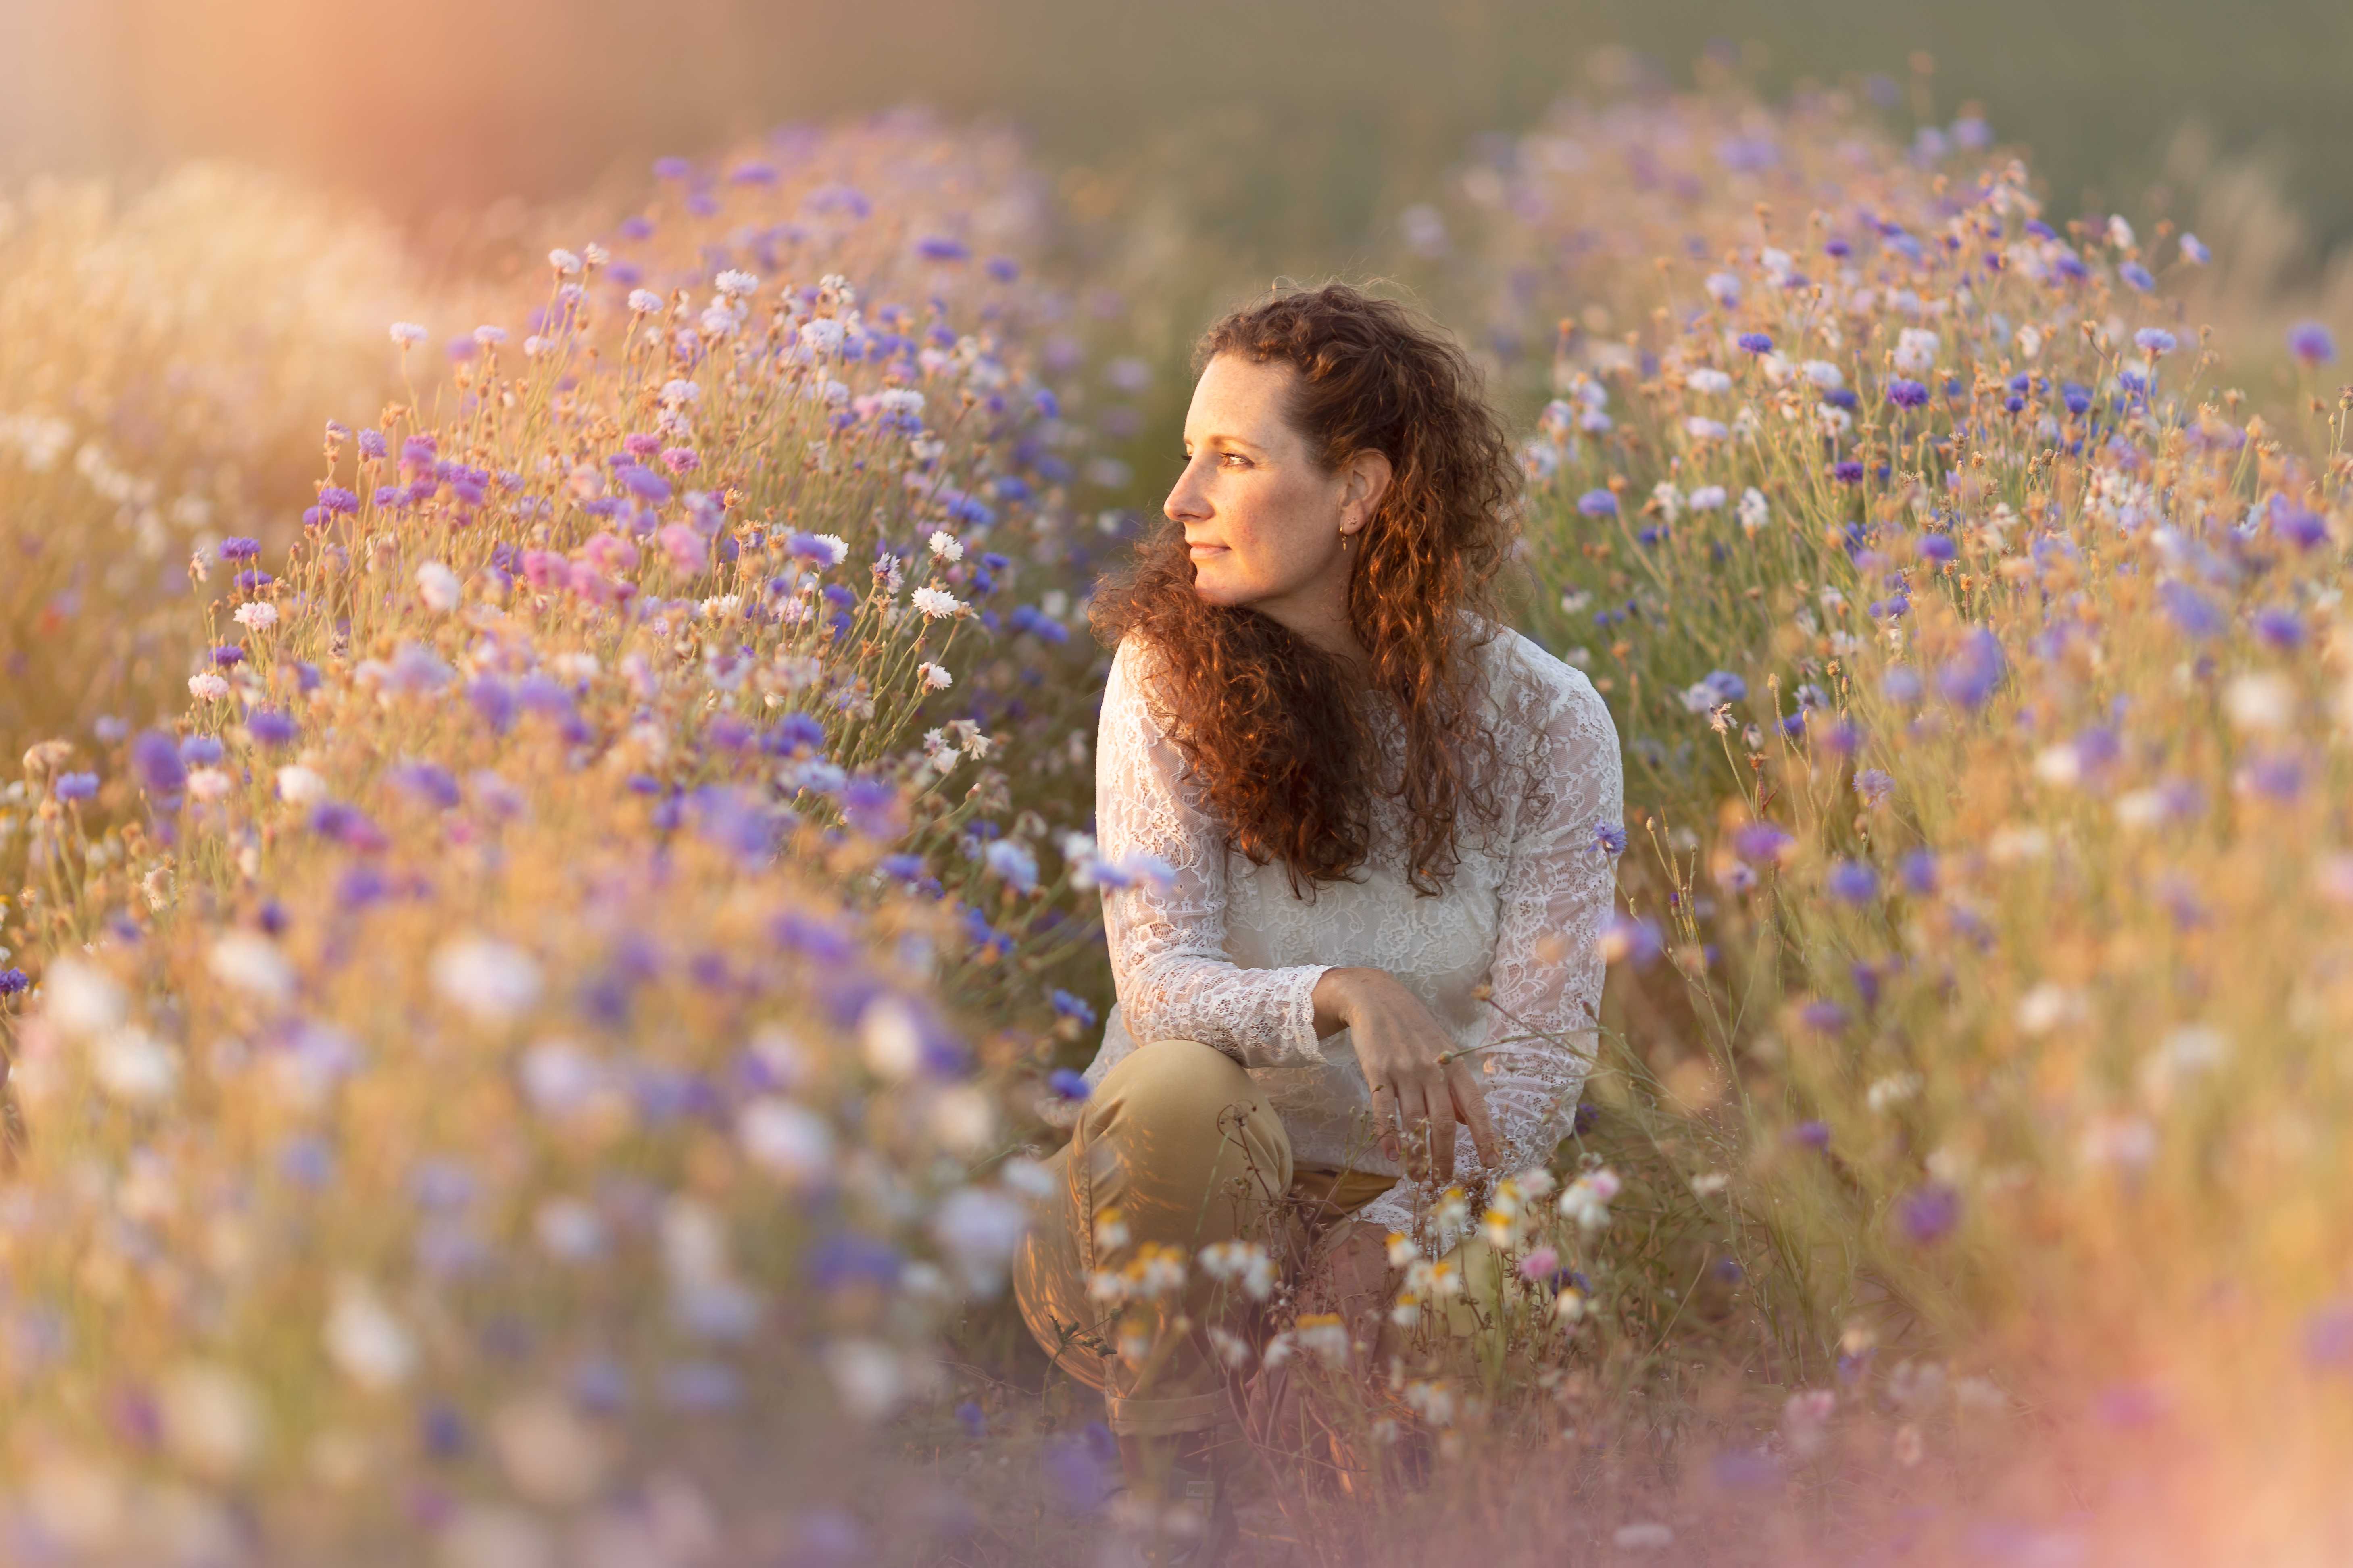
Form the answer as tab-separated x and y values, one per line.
1368	479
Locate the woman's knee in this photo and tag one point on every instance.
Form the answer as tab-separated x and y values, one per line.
1176	1103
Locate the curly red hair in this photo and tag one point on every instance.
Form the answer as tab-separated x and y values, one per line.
1275	731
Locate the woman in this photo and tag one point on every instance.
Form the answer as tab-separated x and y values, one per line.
1389	825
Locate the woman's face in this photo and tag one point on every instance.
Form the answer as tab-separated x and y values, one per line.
1262	519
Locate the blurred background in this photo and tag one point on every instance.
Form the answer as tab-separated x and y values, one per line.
1285	127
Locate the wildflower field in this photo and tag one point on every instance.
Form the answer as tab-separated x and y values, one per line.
550	884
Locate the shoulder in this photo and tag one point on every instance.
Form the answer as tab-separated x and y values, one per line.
1131	685
1532	690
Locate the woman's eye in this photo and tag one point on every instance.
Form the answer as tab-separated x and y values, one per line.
1236	458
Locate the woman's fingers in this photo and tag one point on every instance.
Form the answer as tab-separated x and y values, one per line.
1385	1110
1470	1097
1438	1105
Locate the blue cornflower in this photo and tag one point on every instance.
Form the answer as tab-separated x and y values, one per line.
1847	472
1873	784
1598	503
1609	838
2312	342
1068	1084
1756	342
1969	676
1069	1006
2191	611
1810	1134
1635	940
75	786
239	548
2155	341
1928	1213
2133	273
1851	881
271	727
1905	393
940	247
2077	398
155	758
2282	628
1938	547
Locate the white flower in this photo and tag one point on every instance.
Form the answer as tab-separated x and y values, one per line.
937	603
785	1138
866	1376
836	546
823	335
979	1228
2029	341
946	545
935	677
1708	379
1753	510
1823	373
300	786
1669	499
493	981
594	255
733	281
257	616
564	261
1916	351
644	301
1586	1200
439	587
533	346
365	1340
490	337
2050	1004
208	687
212	1419
1707	497
680	393
1893	1090
81	998
2264	701
132	1065
2120	233
209	784
408	333
251	962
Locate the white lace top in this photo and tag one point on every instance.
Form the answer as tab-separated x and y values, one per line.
1228	956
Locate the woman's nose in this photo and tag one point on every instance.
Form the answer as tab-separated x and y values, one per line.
1185	501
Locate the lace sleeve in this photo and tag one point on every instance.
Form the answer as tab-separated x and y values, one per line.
1168	961
1557	890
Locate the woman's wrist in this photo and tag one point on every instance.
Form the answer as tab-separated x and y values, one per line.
1337	991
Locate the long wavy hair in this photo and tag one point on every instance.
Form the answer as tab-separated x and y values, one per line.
1273	730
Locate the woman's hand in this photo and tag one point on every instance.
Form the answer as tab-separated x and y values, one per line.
1398	1045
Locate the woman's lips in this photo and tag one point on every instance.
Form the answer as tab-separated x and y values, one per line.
1200	551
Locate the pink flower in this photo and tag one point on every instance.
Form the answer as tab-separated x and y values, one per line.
685	547
1541	1264
544	568
682	459
610	552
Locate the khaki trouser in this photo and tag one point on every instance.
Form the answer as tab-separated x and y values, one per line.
1178	1140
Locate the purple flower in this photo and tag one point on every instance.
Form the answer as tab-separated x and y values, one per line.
239	548
1823	1016
1938	547
372	444
2312	342
155	758
429	782
2280	627
1068	1084
939	248
2133	273
871	807
347	826
2155	341
1069	1006
1632	939
1852	882
1905	393
1609	838
1757	342
2327	1333
1873	784
1901	685
672	168
1598	503
1810	1134
1969	676
2191	611
1928	1213
228	654
75	786
1847	472
13	982
2077	398
271	727
1760	841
